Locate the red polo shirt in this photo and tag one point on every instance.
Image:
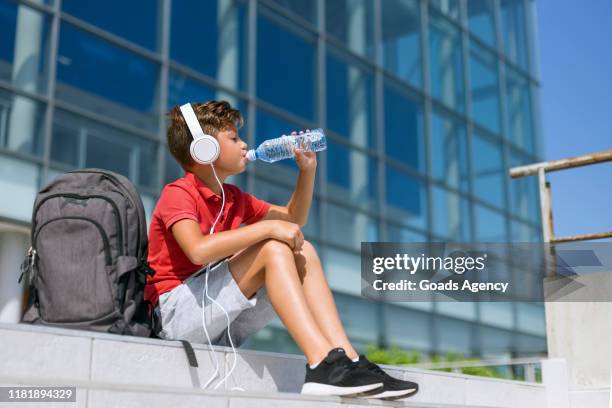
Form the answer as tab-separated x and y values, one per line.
190	198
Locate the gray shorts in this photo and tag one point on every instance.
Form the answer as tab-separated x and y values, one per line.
181	309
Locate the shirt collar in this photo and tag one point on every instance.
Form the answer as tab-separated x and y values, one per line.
203	189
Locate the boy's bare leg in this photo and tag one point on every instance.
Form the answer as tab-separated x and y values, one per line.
320	299
272	263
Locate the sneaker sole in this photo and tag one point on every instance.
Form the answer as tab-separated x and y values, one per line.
326	389
391	395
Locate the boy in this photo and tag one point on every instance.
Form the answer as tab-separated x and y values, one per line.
263	268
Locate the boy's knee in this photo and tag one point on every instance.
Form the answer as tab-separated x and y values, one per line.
272	248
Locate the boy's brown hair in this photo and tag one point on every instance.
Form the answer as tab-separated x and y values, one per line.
214	116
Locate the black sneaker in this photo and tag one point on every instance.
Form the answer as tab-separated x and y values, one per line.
392	387
338	375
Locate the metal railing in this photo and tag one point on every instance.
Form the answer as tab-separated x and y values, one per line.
545	196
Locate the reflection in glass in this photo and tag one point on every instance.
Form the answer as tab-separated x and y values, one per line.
450	8
449	152
109	80
513	31
172	170
490	225
489	174
446	62
521	232
79	142
404	140
413	334
524	194
24	47
350	21
348	228
359	317
219	47
481	19
397	233
280	195
484	88
350	100
21	124
118	17
343	270
285	67
306	9
451	216
182	89
21	179
519	111
351	175
401	49
406	198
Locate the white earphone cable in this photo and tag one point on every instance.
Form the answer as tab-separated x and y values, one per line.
206	296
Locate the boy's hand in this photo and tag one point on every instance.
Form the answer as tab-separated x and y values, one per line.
306	161
287	232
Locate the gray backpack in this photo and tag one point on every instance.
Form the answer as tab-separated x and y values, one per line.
87	266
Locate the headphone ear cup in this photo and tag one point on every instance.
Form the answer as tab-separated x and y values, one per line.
204	150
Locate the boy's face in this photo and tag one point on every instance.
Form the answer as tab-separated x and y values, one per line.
232	158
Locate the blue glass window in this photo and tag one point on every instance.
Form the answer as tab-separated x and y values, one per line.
451	8
489	174
490	225
280	195
21	124
484	88
350	101
80	142
446	62
449	155
521	232
351	22
351	175
306	9
285	67
513	30
135	20
25	65
451	217
172	170
182	90
347	228
524	192
519	110
107	79
481	20
406	198
401	37
404	140
398	233
211	37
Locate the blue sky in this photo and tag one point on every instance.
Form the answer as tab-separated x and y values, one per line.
575	41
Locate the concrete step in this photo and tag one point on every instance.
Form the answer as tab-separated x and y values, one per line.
113	370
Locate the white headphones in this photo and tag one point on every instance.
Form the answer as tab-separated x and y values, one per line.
204	148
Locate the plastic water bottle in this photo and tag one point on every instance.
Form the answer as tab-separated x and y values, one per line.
282	147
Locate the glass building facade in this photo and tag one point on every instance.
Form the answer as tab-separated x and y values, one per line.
426	105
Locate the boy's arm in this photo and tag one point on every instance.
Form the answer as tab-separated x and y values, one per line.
201	249
297	209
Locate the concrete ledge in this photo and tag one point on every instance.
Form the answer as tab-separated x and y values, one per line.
127	366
